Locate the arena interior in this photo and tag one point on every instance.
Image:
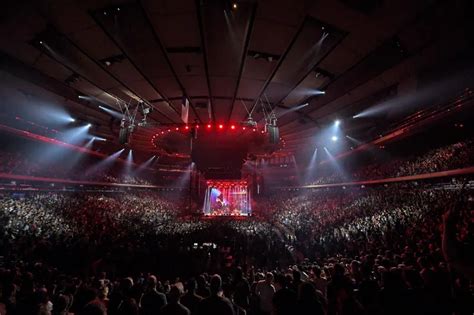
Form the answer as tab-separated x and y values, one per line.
259	157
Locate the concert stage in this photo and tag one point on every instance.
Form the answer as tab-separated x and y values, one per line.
227	198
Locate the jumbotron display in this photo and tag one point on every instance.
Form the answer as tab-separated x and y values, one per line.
227	198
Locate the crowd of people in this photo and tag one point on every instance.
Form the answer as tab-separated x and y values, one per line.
16	163
389	249
354	251
453	156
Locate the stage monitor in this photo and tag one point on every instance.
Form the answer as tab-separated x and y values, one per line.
227	198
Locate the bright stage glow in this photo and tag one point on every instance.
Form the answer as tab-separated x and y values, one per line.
337	122
221	126
334	138
232	127
227	198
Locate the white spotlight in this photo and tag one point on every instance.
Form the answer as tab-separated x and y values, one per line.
317	92
337	122
334	138
89	125
99	138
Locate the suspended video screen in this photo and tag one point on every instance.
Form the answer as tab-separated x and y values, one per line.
227	198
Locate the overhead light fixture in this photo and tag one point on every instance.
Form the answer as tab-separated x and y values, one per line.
317	92
234	6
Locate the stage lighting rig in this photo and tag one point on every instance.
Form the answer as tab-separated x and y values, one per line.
249	122
270	121
129	121
145	110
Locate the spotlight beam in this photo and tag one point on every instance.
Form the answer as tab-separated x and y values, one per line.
335	164
289	110
104	163
145	165
306	59
111	112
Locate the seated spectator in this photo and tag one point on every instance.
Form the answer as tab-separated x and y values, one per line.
174	307
285	299
190	299
308	300
152	301
265	291
216	304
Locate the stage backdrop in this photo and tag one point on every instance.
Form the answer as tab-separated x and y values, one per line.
226	198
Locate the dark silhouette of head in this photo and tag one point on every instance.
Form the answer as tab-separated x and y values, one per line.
191	285
216	284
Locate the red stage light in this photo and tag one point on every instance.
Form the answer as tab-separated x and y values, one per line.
186	127
232	127
177	128
221	126
209	126
254	130
243	128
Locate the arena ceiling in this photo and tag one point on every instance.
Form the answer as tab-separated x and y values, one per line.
225	59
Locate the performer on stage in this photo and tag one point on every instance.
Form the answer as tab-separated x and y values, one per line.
220	201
